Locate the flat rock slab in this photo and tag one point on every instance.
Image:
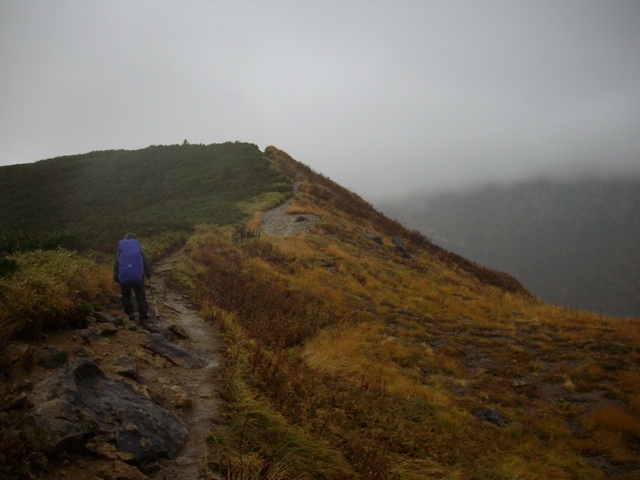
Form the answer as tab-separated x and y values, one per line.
80	403
177	354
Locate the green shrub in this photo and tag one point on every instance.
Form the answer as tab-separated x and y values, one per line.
87	202
49	289
7	265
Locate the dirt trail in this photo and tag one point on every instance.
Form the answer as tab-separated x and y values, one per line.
189	393
199	385
279	223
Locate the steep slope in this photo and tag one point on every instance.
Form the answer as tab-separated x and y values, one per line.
572	243
356	348
348	359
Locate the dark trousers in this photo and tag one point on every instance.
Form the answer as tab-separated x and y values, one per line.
138	291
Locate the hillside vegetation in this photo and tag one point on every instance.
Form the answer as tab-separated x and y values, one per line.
348	360
86	203
89	201
571	243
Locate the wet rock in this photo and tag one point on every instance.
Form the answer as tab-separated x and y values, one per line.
60	424
177	330
155	328
90	335
22	385
79	402
102	317
126	366
107	329
401	247
492	415
83	352
50	357
173	352
375	237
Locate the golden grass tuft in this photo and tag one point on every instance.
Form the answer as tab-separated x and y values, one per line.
590	372
49	290
615	419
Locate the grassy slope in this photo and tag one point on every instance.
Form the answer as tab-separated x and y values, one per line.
348	361
363	364
91	200
88	202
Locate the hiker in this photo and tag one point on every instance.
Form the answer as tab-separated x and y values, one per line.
129	271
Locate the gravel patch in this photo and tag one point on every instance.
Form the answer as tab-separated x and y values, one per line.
281	224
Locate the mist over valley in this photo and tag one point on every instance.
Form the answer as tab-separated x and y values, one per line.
574	243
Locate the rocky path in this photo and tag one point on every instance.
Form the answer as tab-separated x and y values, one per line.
279	223
119	398
202	404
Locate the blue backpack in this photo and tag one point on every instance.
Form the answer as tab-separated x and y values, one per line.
130	263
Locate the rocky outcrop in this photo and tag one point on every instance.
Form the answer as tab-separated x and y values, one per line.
492	415
177	354
374	237
80	406
401	248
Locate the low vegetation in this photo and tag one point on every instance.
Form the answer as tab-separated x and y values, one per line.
390	364
89	201
346	358
49	290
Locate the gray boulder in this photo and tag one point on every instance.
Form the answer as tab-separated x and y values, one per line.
492	415
374	237
126	366
174	352
91	335
401	247
80	402
50	357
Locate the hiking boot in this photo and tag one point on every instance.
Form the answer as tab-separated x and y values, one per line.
132	317
145	322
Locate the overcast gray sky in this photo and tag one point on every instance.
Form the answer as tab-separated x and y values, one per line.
381	96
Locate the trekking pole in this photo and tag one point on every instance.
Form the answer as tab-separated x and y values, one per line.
154	300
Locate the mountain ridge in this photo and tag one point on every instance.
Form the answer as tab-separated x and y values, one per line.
346	358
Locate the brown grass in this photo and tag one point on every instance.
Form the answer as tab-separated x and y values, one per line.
387	360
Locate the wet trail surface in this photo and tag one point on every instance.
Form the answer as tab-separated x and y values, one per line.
199	385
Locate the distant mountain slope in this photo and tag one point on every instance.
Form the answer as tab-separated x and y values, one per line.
572	243
84	200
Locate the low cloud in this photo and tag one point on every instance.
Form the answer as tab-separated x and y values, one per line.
383	97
